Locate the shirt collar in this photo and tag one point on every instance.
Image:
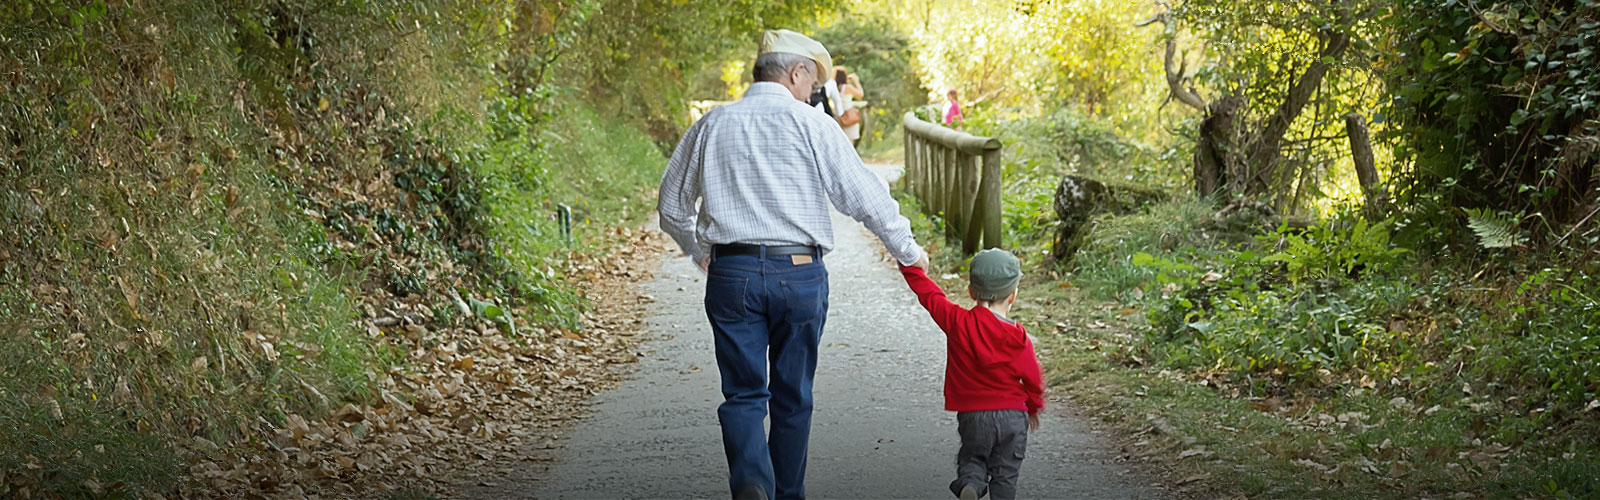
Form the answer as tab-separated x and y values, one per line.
1001	317
768	89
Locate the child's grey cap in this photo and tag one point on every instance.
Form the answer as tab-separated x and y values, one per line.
994	274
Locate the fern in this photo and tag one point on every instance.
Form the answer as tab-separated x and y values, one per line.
1494	229
1325	251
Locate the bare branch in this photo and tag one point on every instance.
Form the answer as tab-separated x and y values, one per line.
1172	66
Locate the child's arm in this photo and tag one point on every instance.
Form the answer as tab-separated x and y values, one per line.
1032	376
931	297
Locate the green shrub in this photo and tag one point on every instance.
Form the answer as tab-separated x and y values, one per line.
1293	332
1463	142
1548	338
1294	312
1324	251
601	169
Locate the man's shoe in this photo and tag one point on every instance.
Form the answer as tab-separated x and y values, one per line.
754	492
968	493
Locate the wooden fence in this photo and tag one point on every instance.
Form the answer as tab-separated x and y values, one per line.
944	173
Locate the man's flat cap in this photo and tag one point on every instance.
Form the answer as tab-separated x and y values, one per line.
789	42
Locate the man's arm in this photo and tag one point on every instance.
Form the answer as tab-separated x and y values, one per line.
677	200
931	297
862	195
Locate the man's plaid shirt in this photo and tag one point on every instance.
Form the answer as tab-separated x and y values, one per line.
763	171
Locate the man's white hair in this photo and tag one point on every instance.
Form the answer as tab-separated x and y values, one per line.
773	66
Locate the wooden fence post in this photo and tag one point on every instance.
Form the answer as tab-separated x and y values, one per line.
908	176
927	175
932	177
927	180
989	194
952	195
911	165
971	228
958	195
934	157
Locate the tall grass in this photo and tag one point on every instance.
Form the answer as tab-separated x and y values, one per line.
1174	230
160	284
598	170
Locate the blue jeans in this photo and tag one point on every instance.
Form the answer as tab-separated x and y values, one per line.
766	309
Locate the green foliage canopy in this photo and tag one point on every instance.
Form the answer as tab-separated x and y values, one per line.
1498	104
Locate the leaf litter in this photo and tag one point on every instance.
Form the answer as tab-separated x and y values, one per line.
469	402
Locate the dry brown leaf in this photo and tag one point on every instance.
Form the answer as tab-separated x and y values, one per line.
1398	469
1311	464
128	295
205	445
349	413
297	426
1193	479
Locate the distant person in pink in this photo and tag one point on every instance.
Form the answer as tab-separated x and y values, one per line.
952	113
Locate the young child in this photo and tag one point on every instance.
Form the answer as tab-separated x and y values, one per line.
992	379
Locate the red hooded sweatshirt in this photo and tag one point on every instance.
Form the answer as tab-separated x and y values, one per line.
990	363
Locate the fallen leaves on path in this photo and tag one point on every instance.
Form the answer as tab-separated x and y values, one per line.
469	402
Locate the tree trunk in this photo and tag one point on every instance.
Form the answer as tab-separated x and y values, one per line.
1216	155
1077	200
1222	161
1264	154
1576	175
1377	198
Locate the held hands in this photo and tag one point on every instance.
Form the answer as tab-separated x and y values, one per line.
922	263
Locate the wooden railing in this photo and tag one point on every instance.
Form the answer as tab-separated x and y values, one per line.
943	172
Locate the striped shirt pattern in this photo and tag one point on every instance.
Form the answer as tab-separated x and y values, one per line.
763	170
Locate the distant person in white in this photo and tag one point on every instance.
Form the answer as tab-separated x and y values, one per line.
849	90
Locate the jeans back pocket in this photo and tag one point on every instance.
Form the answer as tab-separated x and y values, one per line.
807	299
725	296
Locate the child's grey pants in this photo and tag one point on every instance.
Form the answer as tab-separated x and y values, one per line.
992	446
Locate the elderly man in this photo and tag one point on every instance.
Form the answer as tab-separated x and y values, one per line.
763	171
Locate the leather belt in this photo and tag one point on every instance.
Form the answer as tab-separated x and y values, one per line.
745	249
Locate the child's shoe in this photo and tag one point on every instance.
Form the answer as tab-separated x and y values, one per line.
968	493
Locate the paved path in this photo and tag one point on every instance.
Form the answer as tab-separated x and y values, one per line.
879	428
